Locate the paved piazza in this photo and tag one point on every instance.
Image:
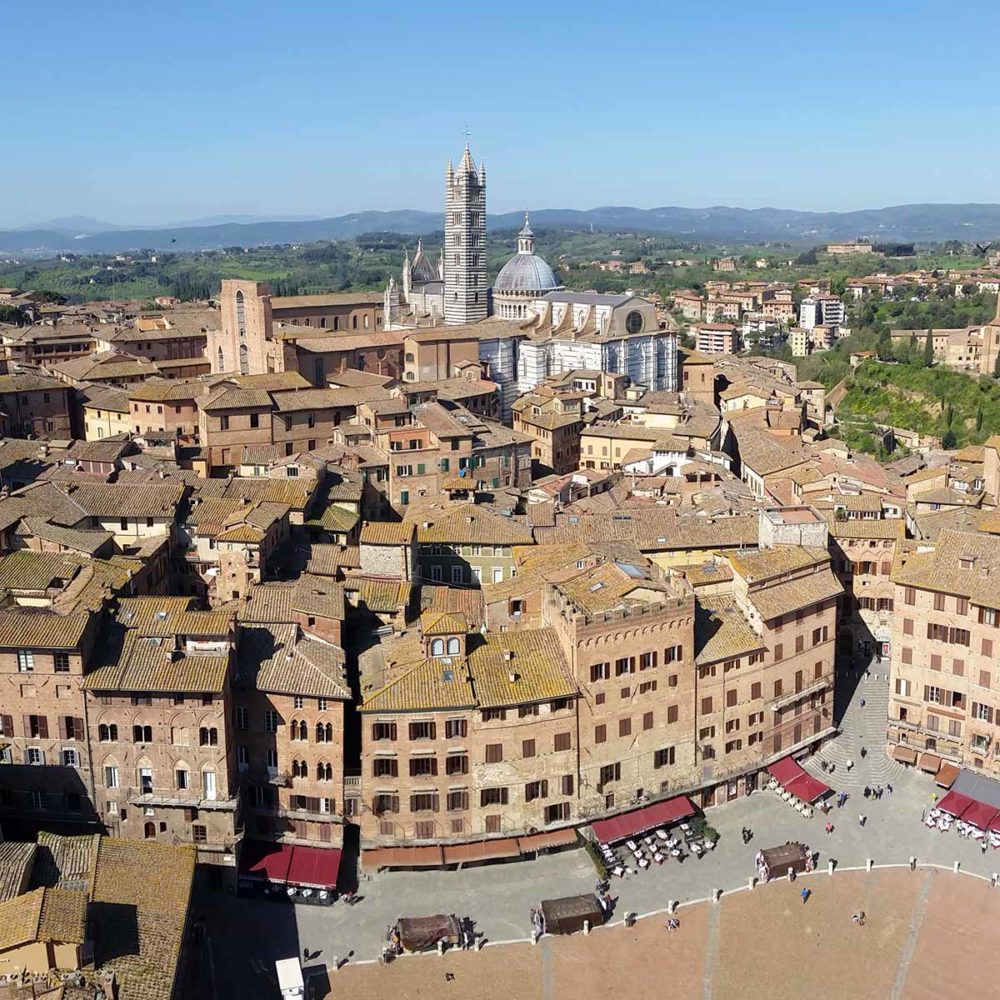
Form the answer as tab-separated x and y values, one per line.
766	937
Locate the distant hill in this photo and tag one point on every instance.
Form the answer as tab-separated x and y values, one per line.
720	224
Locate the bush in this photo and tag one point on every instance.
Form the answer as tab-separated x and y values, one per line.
595	855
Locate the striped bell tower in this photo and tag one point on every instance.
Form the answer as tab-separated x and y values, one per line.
465	298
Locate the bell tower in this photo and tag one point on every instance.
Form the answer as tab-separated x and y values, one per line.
465	293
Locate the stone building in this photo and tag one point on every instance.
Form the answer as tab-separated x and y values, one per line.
159	728
34	406
943	697
466	297
466	735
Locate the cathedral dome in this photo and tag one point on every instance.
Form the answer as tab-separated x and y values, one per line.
525	271
422	270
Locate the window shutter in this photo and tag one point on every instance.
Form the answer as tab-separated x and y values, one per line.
434	766
26	722
62	727
78	729
8	725
43	727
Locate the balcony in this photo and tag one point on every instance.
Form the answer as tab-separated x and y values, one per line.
177	800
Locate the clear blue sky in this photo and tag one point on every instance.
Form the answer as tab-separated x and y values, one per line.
157	112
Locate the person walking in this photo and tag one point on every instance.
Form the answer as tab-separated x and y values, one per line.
888	788
806	893
862	819
862	702
829	829
866	792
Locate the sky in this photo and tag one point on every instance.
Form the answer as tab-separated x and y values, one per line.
157	112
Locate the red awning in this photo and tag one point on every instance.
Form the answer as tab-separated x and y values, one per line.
402	857
266	861
807	788
995	822
955	803
316	867
480	850
546	841
637	821
980	815
785	770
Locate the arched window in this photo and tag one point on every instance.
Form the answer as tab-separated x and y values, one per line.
453	646
437	647
244	359
241	313
149	831
142	734
107	732
303	730
325	772
320	733
328	732
208	737
222	361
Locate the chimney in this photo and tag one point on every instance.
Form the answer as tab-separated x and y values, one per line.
513	677
508	655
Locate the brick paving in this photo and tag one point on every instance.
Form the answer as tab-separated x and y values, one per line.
770	945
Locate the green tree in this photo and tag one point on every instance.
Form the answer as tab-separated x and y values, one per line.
996	367
949	414
948	440
929	349
979	416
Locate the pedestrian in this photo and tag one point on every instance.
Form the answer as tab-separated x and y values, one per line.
862	819
829	829
850	765
878	794
866	792
862	702
806	893
888	788
864	753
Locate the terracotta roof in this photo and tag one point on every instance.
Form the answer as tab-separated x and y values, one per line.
475	524
380	596
80	540
235	398
538	668
277	660
41	629
421	685
801	592
882	528
965	563
387	533
50	915
112	500
66	862
142	891
760	564
722	633
315	595
443	623
16	862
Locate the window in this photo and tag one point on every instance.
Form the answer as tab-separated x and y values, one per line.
939	602
242	717
528	748
70	757
270	721
208	736
610	773
111	776
60	663
25	661
536	790
385	767
600	672
384	731
755	689
457	800
199	833
494	753
385	803
624	727
423	767
647	660
494	714
422	731
909	596
600	734
456	764
181	779
563	741
672	713
455	729
493	797
324	732
424	802
625	665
